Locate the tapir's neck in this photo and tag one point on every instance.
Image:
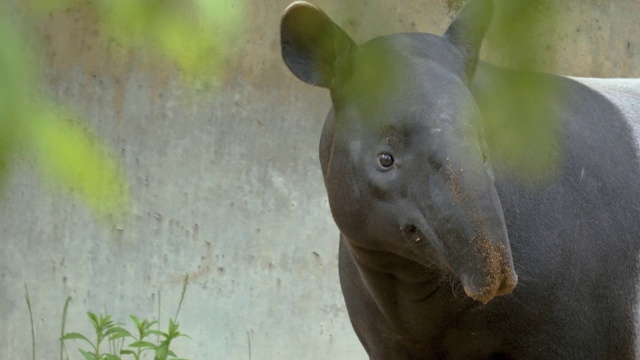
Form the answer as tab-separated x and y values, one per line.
415	300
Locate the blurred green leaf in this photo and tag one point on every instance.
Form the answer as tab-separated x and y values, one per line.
521	33
70	156
520	126
162	351
75	336
17	74
95	321
197	35
87	355
48	6
142	344
117	333
66	153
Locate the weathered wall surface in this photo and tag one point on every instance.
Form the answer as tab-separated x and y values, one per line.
226	187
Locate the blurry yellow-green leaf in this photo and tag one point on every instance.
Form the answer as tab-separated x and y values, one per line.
129	21
224	15
197	35
51	5
69	156
521	33
523	132
16	78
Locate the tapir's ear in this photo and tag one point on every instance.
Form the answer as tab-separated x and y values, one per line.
467	31
314	48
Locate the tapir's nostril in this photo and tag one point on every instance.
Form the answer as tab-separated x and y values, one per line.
409	229
434	163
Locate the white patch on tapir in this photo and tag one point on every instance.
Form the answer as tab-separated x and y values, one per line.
625	95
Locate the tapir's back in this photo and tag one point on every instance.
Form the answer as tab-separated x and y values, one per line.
624	94
575	236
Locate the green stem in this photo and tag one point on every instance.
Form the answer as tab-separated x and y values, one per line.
64	322
159	313
184	290
249	342
33	332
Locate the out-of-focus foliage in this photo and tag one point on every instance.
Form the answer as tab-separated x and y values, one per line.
64	151
518	123
196	35
521	33
71	157
16	72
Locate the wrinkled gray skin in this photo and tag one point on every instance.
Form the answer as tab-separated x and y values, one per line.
426	264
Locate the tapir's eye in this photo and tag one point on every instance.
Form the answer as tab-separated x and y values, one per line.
385	160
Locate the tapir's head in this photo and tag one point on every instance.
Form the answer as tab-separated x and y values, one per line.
402	149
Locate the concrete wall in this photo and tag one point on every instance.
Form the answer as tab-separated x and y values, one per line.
226	187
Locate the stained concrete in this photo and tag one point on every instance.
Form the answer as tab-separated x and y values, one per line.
225	183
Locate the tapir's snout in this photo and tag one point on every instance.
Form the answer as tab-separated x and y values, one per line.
495	276
472	243
473	229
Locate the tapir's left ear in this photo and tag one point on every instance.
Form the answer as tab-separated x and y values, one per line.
467	31
314	48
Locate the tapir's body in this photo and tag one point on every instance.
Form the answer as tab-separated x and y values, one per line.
577	293
435	224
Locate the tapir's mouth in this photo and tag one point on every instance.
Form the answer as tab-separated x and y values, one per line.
487	273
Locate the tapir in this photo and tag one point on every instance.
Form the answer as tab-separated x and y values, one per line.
448	249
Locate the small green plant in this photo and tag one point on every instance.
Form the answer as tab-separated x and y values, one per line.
115	335
110	337
105	329
140	344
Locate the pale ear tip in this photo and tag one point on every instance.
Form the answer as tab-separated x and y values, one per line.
297	4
